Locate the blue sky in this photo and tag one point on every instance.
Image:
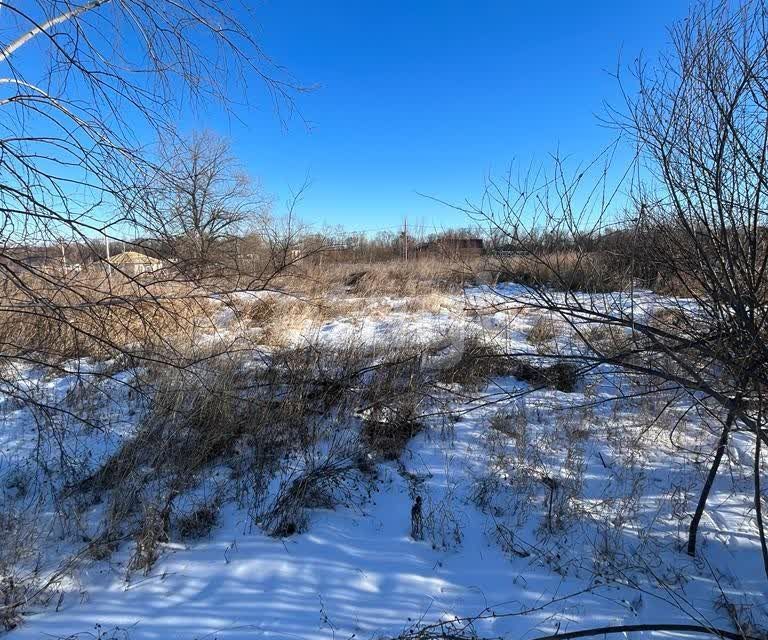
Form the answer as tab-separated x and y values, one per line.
430	97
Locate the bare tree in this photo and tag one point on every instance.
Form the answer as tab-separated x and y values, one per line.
697	203
201	200
81	80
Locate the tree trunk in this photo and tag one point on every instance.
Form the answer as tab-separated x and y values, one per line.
759	499
693	529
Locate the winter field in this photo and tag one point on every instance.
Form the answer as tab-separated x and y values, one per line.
471	346
438	465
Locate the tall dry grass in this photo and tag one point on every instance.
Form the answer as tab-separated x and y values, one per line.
354	291
312	419
417	277
563	270
50	319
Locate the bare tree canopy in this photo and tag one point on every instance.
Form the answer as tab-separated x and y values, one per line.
86	85
200	200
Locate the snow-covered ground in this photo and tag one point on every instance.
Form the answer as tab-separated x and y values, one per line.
610	554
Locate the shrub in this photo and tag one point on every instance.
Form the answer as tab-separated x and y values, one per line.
392	397
153	531
388	428
593	272
199	522
562	376
480	361
329	477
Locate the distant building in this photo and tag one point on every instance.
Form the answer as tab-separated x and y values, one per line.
464	247
133	263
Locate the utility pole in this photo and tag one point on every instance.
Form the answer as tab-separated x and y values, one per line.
109	264
405	238
63	258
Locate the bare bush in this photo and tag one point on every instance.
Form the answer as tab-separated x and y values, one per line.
479	361
545	263
388	428
562	376
324	481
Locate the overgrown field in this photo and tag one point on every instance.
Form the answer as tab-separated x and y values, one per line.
368	452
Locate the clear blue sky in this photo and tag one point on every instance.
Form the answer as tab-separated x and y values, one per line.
431	96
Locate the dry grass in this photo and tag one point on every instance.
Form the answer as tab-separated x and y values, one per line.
388	427
417	277
512	421
563	270
673	320
278	317
591	271
326	481
608	340
199	522
68	320
542	332
258	421
393	400
429	303
254	412
258	417
561	376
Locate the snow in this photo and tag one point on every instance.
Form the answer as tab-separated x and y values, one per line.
356	572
